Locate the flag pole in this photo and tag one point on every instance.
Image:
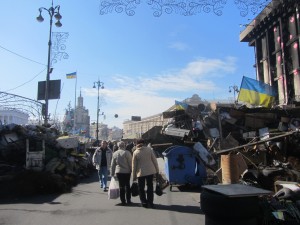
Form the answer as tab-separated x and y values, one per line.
75	104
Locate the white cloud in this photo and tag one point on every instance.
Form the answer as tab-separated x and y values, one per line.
146	96
180	46
213	67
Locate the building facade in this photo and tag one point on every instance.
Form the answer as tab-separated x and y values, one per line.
133	129
103	131
274	34
13	117
136	127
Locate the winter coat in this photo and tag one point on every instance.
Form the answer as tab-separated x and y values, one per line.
98	155
121	162
144	162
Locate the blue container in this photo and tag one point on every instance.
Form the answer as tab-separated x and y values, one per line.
181	166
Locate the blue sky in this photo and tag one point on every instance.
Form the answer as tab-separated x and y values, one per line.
145	62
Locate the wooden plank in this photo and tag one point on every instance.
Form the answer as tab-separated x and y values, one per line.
256	143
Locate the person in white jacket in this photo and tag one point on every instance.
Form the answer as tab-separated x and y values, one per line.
121	168
102	161
144	168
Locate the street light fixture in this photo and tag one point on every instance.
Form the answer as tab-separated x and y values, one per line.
99	85
53	11
235	90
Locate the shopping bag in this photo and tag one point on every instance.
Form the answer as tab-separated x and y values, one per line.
134	189
158	190
113	189
163	182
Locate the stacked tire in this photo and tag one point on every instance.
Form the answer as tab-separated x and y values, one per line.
223	210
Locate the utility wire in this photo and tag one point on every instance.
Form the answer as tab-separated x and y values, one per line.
21	56
27	81
57	102
28	60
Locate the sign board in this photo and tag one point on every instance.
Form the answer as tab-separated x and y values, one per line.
54	89
136	118
35	155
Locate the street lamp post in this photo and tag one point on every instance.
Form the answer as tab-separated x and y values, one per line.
53	11
235	90
99	85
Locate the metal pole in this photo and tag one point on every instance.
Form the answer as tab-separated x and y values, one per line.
99	84
40	18
256	143
74	124
48	70
235	91
97	126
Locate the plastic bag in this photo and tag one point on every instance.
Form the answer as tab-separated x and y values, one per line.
113	189
134	189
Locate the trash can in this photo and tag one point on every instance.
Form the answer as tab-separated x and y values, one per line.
181	166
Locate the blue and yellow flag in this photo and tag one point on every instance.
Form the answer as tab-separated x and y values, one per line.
71	75
256	93
180	105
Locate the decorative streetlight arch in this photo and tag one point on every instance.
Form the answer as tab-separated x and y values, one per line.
182	7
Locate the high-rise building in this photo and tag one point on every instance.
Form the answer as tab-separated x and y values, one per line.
77	121
81	118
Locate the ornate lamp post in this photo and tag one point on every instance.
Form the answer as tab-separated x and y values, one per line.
235	89
99	85
53	11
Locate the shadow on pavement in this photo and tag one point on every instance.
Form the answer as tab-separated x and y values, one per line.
174	208
12	193
37	199
180	208
93	177
189	188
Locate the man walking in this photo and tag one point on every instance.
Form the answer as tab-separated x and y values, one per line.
102	160
144	168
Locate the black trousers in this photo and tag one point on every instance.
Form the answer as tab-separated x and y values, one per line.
124	185
146	197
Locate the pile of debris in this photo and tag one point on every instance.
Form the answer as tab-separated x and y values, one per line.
266	139
252	146
36	159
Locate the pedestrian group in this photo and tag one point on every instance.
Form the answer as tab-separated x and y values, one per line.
122	163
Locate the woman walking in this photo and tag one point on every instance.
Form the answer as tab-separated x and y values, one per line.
121	167
144	167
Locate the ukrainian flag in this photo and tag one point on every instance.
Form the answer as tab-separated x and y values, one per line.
71	75
256	93
180	105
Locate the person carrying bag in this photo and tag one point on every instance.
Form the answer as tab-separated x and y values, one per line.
144	167
121	169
